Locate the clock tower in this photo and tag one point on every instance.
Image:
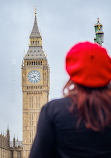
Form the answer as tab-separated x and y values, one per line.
35	86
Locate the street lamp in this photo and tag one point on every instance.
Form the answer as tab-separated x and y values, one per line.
99	33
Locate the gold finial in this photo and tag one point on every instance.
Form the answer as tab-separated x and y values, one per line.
97	19
99	26
24	53
35	10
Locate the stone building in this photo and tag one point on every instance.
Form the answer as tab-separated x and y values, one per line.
10	149
5	145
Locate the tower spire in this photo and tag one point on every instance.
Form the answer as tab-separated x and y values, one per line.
98	20
98	32
35	11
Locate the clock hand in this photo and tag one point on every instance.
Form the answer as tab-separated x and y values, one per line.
33	76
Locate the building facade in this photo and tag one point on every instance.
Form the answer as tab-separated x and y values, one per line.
4	145
35	86
10	149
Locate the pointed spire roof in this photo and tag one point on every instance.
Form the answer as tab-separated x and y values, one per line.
35	51
7	127
35	29
98	23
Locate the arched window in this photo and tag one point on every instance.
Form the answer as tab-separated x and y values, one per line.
38	42
30	102
33	43
30	119
39	102
27	62
36	117
30	137
36	101
32	123
41	62
32	62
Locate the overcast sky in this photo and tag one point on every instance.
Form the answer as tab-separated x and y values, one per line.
62	24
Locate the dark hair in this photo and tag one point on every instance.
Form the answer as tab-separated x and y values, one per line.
93	105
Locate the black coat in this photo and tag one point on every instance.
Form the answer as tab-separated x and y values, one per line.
57	135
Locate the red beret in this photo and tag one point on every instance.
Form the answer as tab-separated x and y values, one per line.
88	64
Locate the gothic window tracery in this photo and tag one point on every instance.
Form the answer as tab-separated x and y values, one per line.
39	101
32	101
30	137
32	119
36	101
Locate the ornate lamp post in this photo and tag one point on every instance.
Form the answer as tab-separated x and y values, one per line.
99	33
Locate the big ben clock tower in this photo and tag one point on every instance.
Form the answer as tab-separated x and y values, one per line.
35	86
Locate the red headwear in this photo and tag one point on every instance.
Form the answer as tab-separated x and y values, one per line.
88	64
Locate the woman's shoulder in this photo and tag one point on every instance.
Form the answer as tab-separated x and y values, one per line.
58	103
61	100
57	107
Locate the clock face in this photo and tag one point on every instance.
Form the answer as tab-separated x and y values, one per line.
34	76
